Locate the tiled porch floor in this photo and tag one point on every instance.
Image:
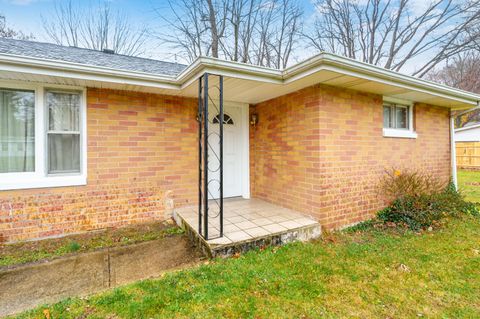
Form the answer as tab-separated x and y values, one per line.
250	220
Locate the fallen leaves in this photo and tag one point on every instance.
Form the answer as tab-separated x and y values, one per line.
236	255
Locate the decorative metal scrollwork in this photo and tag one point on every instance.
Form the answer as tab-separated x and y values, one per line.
210	155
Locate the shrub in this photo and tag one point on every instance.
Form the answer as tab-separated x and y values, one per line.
406	183
421	200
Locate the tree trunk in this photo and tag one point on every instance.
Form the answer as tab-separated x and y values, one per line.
213	28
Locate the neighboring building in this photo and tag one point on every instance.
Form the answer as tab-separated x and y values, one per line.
467	141
470	133
115	138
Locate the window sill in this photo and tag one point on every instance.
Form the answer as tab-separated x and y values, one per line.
399	133
43	182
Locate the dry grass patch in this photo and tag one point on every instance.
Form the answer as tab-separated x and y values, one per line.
20	253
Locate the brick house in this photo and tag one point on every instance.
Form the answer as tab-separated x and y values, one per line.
90	140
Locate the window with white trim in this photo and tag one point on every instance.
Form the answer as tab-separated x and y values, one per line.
395	116
17	131
63	132
398	120
42	136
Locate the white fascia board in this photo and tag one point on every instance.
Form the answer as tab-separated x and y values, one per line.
84	72
229	73
402	85
219	64
342	65
394	78
323	61
330	62
229	69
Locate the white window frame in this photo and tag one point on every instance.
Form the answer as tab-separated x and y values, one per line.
400	132
40	178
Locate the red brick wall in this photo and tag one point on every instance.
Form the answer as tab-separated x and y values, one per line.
335	178
284	151
141	152
319	150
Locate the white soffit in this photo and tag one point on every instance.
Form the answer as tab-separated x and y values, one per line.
243	82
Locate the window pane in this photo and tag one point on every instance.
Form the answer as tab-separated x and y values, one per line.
17	131
63	153
63	111
401	115
387	116
226	119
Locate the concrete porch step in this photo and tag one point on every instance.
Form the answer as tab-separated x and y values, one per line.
248	224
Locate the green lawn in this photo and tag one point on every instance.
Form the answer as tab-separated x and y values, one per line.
469	184
348	275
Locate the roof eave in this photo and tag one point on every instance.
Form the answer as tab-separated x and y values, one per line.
85	72
228	68
323	61
441	90
375	73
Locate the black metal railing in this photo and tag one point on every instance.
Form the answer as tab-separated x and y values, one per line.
210	156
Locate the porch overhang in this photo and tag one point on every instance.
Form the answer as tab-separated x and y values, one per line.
243	82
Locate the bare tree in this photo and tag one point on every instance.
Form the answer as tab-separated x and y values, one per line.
393	34
469	118
64	25
463	72
7	32
261	32
95	28
283	36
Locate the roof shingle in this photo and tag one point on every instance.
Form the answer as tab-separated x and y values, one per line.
88	57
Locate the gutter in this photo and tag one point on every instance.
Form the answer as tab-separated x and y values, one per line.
420	84
230	69
323	61
80	71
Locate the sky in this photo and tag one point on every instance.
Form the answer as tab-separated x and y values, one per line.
26	15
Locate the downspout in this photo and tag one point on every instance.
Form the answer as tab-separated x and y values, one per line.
453	150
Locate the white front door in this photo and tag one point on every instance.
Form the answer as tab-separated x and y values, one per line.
232	152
